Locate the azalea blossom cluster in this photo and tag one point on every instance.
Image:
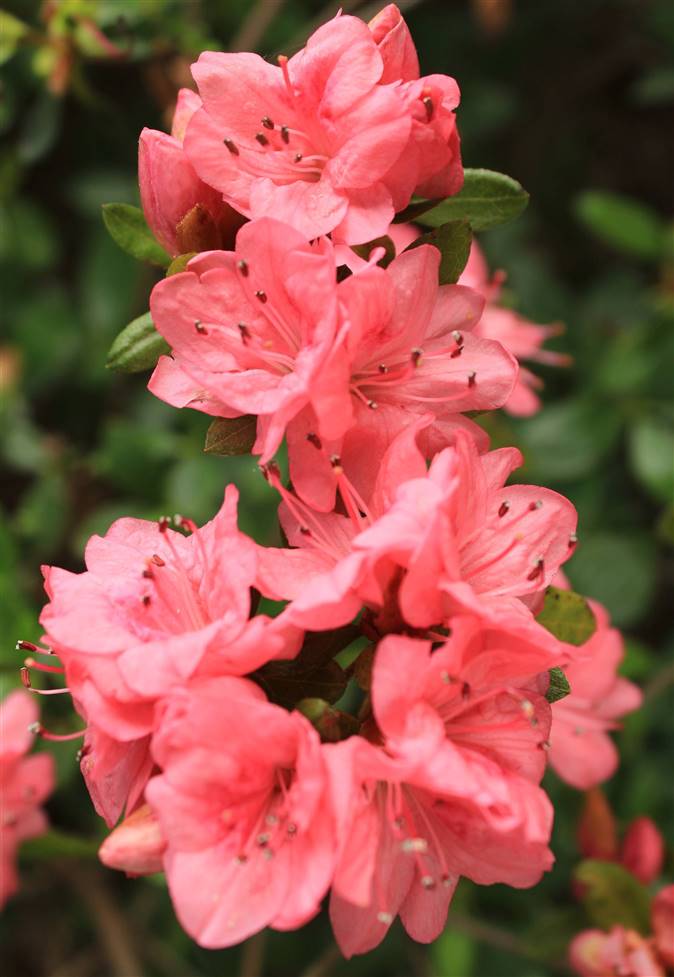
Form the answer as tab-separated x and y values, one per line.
211	723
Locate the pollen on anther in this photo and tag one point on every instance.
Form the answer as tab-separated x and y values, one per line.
372	404
573	539
261	138
537	570
472	378
382	368
415	845
261	295
544	745
457	337
231	146
163	523
416	355
503	508
428	882
538	504
267	122
242	265
298	157
385	918
202	330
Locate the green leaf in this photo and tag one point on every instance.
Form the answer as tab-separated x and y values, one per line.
453	241
57	844
485	200
137	347
612	896
128	228
364	250
568	616
622	222
620	570
332	724
11	31
287	682
180	263
651	444
230	436
559	686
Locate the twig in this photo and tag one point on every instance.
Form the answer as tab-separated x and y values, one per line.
254	27
109	922
252	955
322	965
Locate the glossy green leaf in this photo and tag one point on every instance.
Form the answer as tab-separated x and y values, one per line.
453	242
231	435
624	223
128	228
486	199
137	347
651	449
568	616
613	897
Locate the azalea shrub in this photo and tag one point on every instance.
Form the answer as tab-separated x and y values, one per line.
353	710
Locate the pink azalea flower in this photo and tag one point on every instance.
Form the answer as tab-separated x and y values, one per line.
582	752
446	787
643	850
25	782
266	330
520	337
170	189
153	608
249	834
333	139
595	953
136	845
425	546
411	349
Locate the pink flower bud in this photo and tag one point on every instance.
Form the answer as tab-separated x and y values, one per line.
136	845
643	850
186	105
585	952
597	828
395	46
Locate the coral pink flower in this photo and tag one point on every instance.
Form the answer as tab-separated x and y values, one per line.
582	752
447	787
266	330
153	608
594	953
425	545
331	140
170	190
25	782
662	917
522	338
242	806
411	350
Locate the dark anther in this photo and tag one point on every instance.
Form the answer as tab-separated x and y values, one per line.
245	331
457	352
416	355
314	439
261	138
537	570
242	265
428	105
305	530
535	505
382	368
146	600
231	146
148	574
157	560
335	461
285	134
465	691
25	677
573	539
471	378
202	330
267	122
298	157
503	508
457	337
163	523
261	295
26	646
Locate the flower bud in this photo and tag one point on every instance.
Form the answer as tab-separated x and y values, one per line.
597	836
136	845
643	850
395	45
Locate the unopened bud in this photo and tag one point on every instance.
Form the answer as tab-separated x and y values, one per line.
136	845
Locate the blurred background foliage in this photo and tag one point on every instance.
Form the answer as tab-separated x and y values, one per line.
575	100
